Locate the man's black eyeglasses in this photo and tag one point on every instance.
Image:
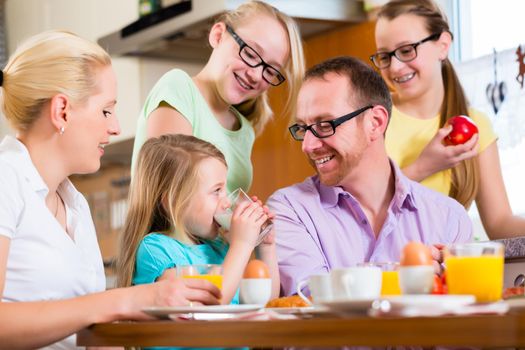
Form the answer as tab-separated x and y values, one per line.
249	56
405	53
324	128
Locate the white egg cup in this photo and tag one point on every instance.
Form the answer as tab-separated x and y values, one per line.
416	279
255	290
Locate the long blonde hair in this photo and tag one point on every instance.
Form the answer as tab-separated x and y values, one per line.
465	176
44	65
166	178
258	110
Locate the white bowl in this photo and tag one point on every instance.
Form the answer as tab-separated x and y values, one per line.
255	290
416	279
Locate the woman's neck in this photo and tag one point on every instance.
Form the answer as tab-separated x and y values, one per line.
51	169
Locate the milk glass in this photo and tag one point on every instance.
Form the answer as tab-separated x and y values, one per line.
224	218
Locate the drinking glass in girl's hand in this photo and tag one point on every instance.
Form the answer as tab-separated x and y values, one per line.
224	218
209	272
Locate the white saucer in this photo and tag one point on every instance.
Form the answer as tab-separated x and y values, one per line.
298	310
349	305
165	311
443	301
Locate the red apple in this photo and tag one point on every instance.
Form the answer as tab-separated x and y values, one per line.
463	128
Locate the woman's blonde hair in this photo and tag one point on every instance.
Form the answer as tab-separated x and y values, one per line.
258	110
49	63
165	180
465	176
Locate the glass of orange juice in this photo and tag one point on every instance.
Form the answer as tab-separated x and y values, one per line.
209	272
390	277
475	268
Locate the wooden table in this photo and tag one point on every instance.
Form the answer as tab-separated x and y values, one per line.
483	331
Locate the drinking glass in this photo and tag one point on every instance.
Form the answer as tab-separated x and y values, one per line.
224	218
209	272
475	268
389	275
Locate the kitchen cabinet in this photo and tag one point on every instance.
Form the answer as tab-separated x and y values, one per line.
106	192
91	20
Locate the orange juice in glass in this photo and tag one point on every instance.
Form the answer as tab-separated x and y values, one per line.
475	268
209	272
390	277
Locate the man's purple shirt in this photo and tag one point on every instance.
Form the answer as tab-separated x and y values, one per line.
319	228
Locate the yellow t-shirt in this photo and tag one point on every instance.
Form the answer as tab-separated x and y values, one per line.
407	136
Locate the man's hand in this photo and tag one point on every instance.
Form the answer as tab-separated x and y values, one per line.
437	255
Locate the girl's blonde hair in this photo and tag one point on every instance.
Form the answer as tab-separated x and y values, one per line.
49	63
465	176
165	180
258	110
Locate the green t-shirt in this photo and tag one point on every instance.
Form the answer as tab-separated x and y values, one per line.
177	89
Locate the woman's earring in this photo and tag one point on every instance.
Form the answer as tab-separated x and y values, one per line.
61	131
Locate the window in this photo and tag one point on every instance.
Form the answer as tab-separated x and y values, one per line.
480	26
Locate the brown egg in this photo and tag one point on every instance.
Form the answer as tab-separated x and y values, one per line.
256	269
416	253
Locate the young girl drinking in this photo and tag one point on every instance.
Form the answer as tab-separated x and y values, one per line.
178	186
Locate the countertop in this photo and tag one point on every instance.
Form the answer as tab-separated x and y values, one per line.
514	247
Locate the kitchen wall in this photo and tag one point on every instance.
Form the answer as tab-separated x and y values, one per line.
508	123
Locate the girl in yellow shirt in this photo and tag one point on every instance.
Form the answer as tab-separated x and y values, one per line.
413	39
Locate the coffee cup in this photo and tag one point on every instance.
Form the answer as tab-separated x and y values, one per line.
360	282
320	286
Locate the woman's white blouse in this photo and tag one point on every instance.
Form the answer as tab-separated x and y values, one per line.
44	262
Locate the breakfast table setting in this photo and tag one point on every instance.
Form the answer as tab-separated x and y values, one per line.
372	304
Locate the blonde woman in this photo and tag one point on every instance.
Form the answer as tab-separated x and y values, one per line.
255	47
413	39
58	92
179	185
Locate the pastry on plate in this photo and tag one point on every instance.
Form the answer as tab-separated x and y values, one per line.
291	301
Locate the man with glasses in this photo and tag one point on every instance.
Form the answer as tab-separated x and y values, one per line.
359	207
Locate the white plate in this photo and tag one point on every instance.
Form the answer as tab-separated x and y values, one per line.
165	311
426	305
202	316
299	310
444	301
441	303
349	305
516	303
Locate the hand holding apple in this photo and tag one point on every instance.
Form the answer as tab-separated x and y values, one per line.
463	128
437	156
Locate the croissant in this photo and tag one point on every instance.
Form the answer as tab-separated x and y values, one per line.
291	301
